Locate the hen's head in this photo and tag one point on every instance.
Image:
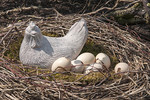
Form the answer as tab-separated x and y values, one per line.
33	35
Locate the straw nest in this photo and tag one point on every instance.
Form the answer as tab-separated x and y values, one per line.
29	82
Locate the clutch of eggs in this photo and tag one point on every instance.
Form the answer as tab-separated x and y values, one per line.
85	62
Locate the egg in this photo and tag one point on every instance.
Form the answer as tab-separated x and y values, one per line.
86	58
121	67
93	67
78	66
97	66
102	57
88	69
61	64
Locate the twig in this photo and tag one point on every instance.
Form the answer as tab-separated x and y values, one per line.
74	96
11	97
6	35
94	12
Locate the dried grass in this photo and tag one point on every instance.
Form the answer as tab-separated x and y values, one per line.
26	82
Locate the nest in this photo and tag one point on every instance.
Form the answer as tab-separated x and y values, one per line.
26	82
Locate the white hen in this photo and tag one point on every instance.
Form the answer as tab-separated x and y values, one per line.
40	50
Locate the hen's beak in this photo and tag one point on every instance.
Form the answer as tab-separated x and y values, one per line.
33	33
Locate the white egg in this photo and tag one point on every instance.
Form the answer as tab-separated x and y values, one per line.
97	66
101	57
121	67
93	67
88	69
86	58
61	65
78	66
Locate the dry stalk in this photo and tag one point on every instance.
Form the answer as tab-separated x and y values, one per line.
16	84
